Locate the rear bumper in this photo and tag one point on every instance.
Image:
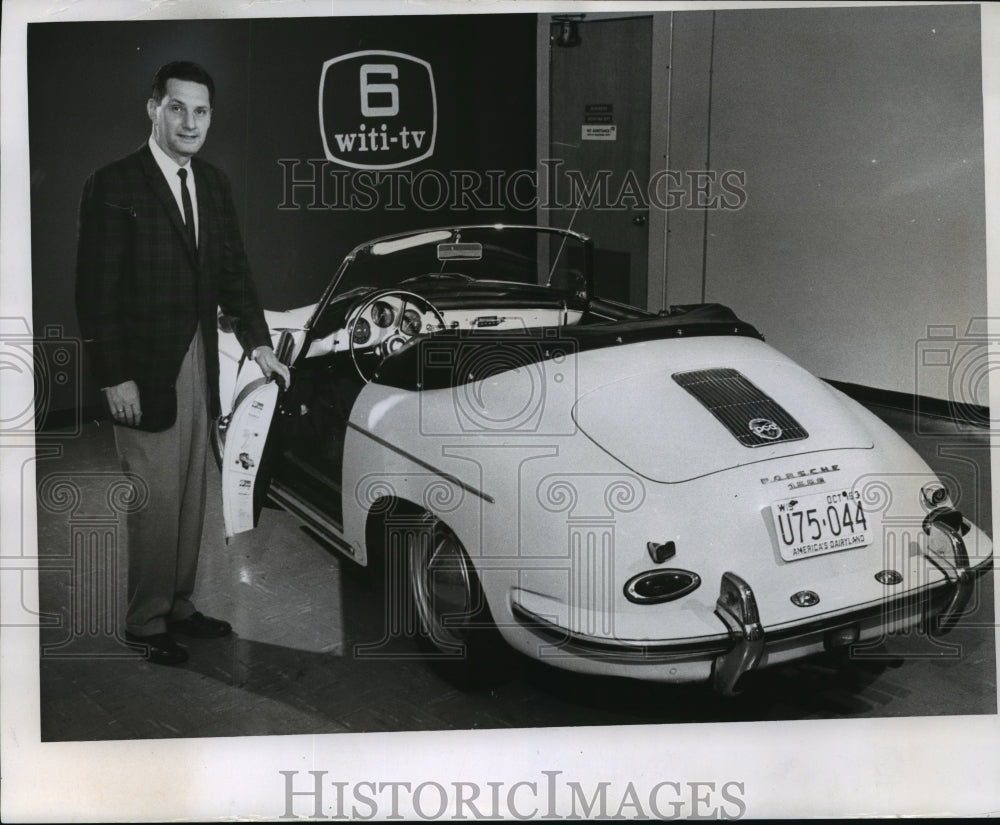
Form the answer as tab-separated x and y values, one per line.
744	644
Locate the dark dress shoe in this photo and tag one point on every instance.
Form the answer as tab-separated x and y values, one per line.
160	648
200	626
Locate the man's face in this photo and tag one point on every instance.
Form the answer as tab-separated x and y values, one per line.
181	119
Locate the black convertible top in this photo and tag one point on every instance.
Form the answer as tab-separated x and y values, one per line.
454	357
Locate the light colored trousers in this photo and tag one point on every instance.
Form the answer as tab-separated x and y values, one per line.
164	536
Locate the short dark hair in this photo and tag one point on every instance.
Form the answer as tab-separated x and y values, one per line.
181	70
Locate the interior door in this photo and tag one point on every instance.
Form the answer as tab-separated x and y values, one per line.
599	133
242	437
242	458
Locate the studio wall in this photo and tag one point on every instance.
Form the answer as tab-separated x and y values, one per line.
860	131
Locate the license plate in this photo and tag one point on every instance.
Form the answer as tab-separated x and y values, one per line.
820	523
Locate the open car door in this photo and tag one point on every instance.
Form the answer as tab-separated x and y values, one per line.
243	453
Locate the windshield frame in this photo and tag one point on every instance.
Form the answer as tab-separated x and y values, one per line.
331	290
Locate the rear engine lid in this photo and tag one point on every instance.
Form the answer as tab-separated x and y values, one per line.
676	425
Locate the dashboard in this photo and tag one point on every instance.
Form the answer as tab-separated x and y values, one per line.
386	322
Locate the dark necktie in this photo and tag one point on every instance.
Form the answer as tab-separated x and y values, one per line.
188	209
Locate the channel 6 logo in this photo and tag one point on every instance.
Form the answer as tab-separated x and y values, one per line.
377	110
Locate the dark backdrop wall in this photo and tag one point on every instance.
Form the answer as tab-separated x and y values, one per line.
88	84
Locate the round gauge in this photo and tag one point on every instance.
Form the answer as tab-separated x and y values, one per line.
410	325
382	314
362	332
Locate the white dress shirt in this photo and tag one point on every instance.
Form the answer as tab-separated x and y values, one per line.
169	168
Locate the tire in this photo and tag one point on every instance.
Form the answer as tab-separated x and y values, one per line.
454	623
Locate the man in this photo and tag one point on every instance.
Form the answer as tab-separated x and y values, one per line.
159	251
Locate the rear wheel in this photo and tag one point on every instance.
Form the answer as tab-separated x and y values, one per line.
455	624
444	588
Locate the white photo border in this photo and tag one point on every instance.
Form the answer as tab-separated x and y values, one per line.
895	766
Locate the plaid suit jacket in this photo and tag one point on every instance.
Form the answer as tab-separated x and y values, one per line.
142	289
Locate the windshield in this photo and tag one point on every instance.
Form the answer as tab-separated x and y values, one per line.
456	255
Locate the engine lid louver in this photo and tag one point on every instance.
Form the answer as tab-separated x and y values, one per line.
752	416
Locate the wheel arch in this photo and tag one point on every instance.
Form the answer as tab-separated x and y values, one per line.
378	513
386	507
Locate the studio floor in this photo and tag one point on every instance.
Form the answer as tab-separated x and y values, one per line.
309	655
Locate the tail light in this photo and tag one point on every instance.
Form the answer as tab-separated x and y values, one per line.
658	586
934	495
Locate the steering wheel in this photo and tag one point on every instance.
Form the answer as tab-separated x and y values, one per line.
382	341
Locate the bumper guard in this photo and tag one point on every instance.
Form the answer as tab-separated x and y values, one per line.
950	524
737	607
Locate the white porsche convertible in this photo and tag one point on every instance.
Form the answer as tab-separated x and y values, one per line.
660	496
